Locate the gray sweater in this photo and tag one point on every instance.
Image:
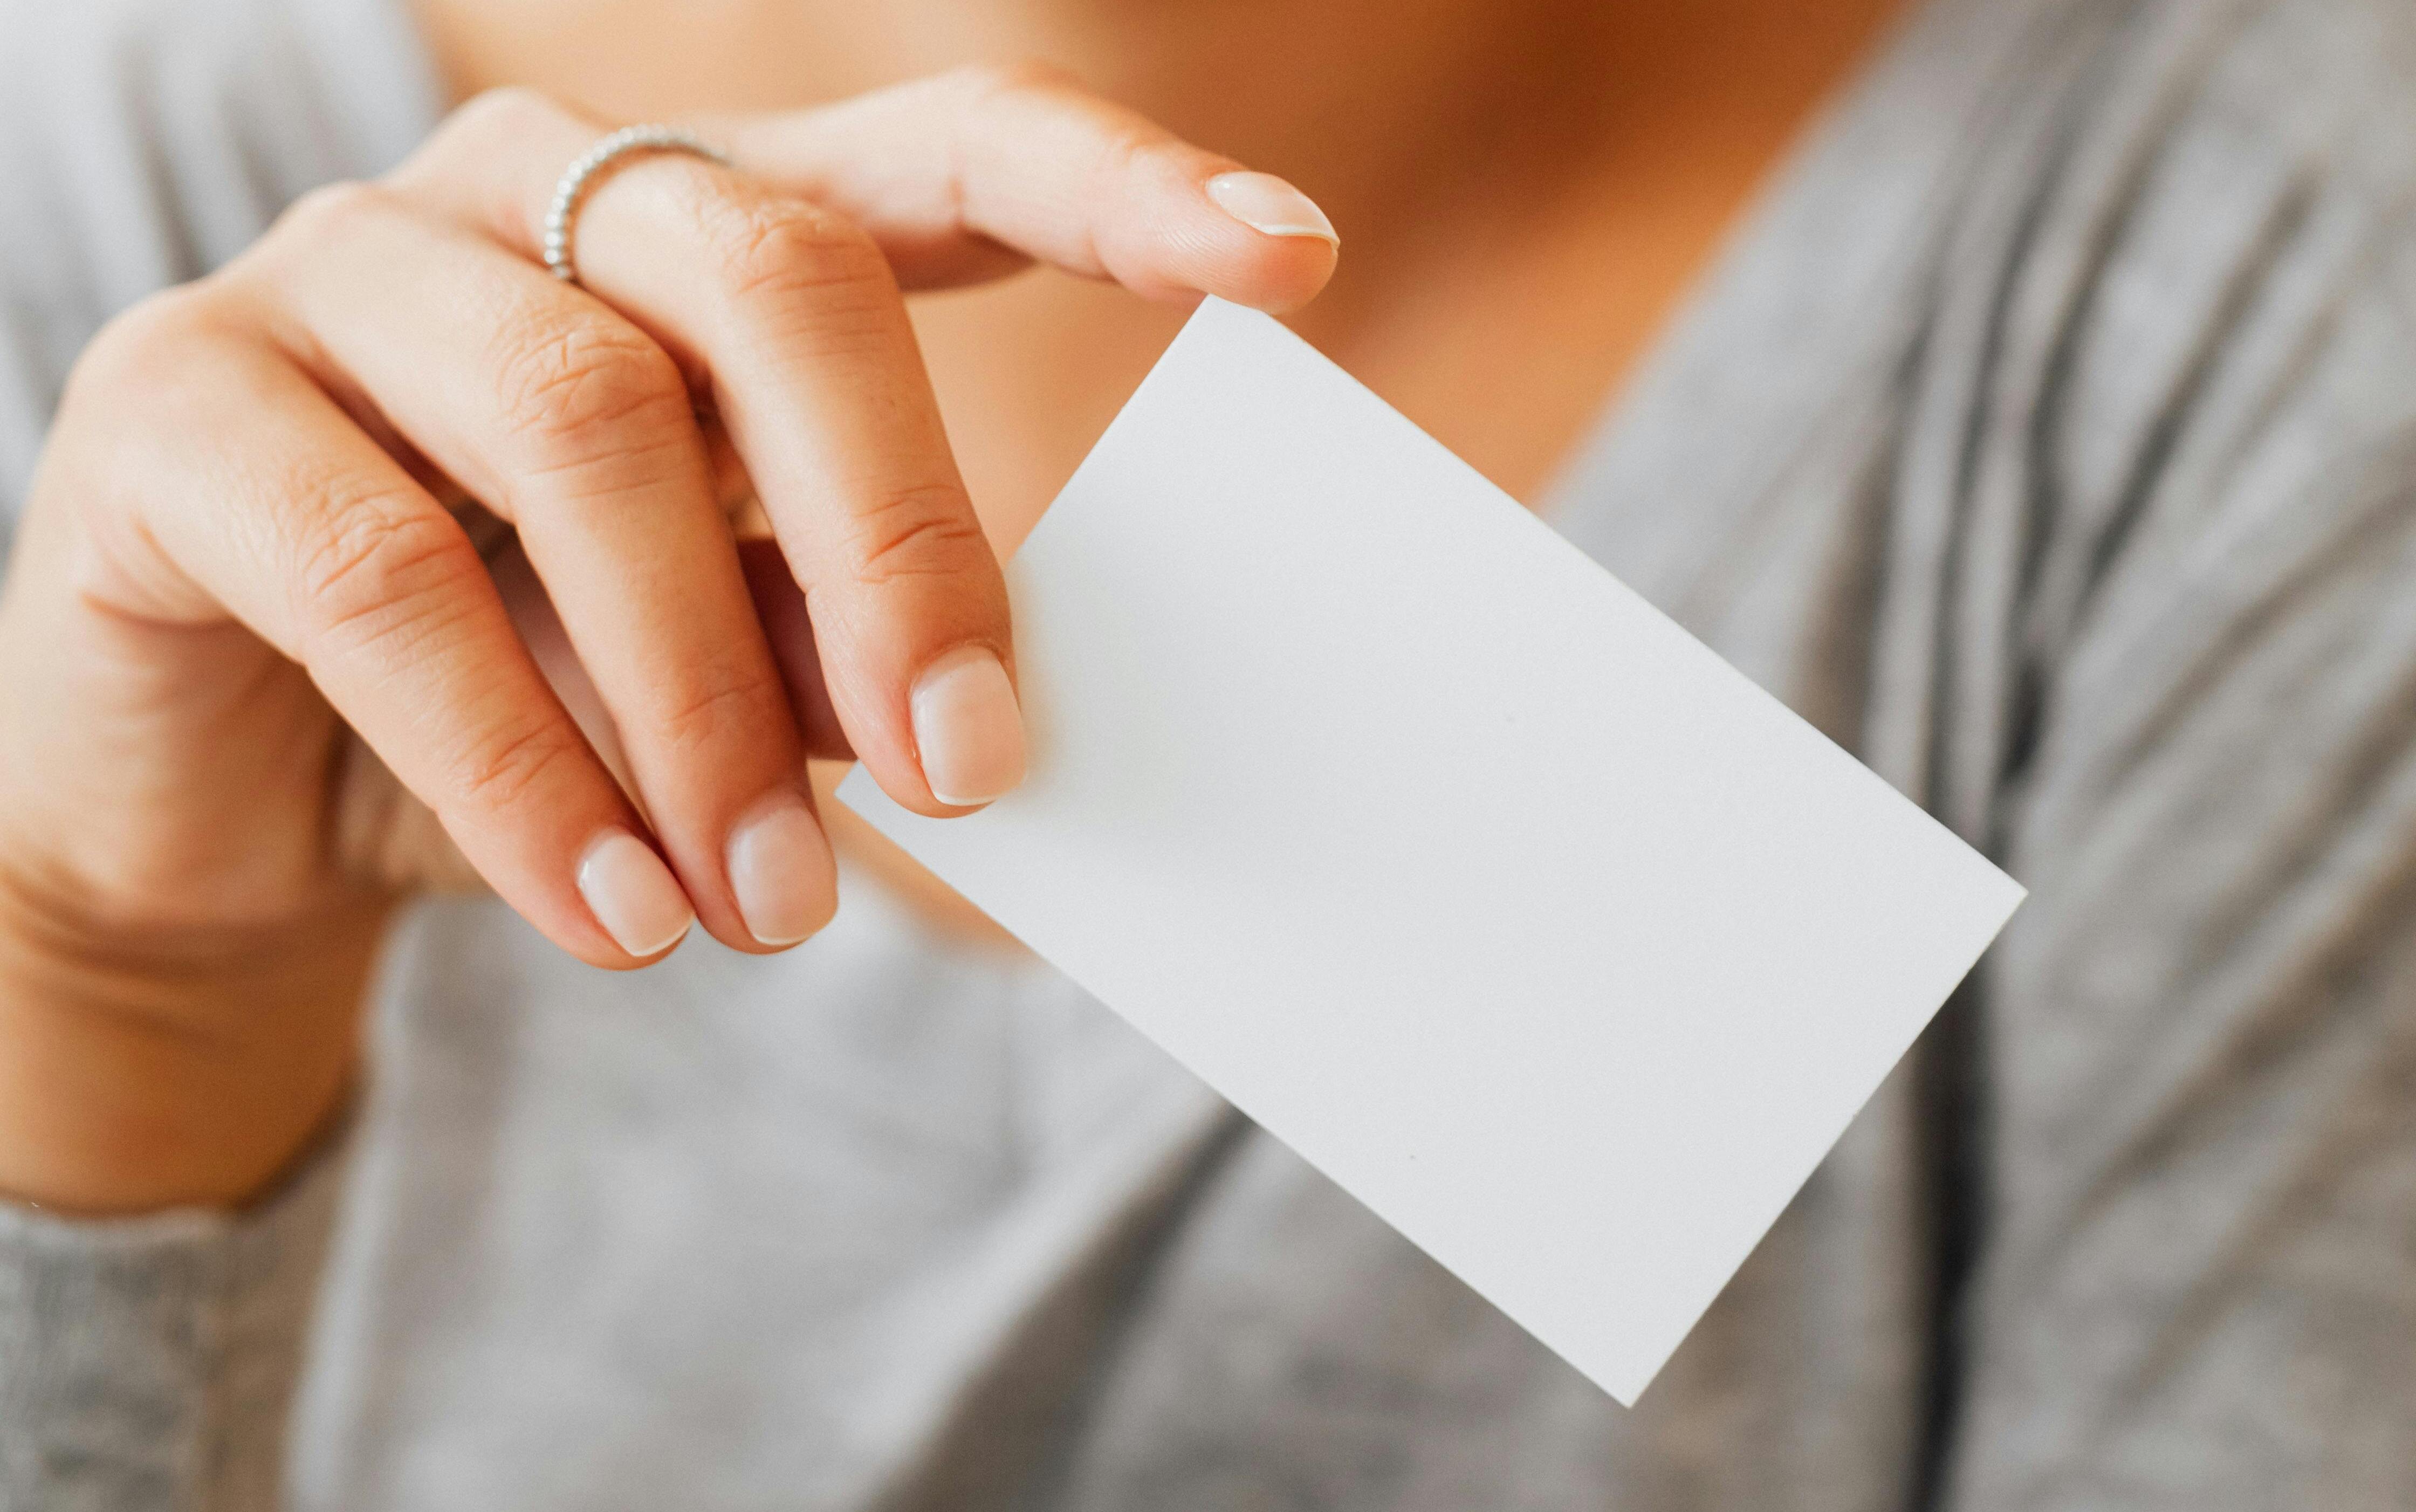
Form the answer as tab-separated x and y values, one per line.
2048	435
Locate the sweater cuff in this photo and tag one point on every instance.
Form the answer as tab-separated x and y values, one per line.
147	1363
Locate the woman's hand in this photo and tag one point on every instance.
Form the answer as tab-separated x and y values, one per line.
383	497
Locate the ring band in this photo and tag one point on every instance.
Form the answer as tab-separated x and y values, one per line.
563	214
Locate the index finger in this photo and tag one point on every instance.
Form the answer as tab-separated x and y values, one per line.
968	175
1025	159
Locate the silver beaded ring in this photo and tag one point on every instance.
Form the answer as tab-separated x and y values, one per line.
562	213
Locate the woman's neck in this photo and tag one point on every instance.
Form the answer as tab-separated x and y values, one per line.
1484	159
1412	121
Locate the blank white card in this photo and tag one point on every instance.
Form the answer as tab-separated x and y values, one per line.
1444	856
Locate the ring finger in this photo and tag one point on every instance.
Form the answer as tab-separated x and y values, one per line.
789	317
569	422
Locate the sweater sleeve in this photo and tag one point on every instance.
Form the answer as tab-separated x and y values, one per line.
147	1363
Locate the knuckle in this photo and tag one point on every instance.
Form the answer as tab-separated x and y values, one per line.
580	387
492	127
152	386
144	343
378	572
330	212
720	704
507	113
916	533
502	767
774	249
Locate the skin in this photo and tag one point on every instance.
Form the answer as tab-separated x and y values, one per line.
334	586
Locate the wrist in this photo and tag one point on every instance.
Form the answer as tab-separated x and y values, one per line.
169	1067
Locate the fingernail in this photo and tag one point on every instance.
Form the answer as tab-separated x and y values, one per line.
780	868
967	728
633	895
1265	203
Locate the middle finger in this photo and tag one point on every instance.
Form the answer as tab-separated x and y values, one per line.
789	316
562	417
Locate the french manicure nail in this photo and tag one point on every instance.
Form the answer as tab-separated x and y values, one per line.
780	867
1266	204
967	728
633	895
